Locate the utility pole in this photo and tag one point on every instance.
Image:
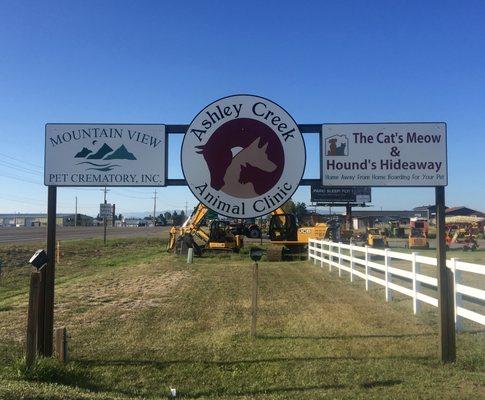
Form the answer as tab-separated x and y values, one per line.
154	206
105	221
75	214
186	208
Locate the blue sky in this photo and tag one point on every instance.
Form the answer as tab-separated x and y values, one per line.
162	62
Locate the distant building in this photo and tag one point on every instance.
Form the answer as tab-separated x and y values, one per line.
463	212
41	220
363	218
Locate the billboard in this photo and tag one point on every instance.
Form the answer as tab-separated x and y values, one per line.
389	154
334	194
104	155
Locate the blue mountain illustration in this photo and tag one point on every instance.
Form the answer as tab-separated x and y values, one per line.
105	149
83	153
121	153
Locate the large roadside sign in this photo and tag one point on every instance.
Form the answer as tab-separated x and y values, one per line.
104	155
334	194
389	154
243	156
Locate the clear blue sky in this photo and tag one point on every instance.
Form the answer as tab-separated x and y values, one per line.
163	61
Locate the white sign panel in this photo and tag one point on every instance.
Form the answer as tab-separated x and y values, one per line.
243	156
105	210
398	154
104	155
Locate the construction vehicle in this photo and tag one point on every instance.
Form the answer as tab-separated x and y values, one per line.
245	228
376	238
418	239
463	231
396	230
420	223
219	237
288	240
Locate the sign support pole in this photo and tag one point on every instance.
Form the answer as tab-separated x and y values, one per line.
445	285
48	277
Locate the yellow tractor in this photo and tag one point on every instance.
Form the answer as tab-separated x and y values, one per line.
219	237
376	238
417	239
288	240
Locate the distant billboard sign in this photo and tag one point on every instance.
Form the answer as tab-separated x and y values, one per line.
106	210
333	194
388	154
104	155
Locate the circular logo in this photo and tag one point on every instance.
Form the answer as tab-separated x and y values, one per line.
243	156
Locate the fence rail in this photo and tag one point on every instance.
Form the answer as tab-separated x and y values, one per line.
360	261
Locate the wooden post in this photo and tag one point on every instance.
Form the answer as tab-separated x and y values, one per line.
190	255
445	285
254	300
48	283
32	317
61	344
58	252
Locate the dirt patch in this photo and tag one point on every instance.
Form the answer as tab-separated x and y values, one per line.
120	295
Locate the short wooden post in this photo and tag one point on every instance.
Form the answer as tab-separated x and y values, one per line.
339	259
351	263
367	282
387	275
61	344
58	252
458	295
190	255
330	257
416	269
32	317
254	300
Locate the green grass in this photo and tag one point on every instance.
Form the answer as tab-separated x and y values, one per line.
142	321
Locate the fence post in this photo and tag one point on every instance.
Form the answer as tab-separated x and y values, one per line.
322	256
339	259
351	251
330	257
458	295
416	269
315	251
388	276
367	283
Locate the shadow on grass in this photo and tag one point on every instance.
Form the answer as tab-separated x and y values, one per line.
289	389
345	337
165	364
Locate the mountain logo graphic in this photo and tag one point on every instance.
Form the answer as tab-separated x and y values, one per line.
105	152
337	145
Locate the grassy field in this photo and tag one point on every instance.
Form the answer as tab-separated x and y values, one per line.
142	321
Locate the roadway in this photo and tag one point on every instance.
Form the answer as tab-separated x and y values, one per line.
38	234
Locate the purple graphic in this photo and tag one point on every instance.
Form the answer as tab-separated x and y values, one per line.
245	158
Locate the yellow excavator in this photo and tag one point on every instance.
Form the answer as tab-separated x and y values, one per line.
288	240
218	238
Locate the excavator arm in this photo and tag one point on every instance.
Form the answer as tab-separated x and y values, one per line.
190	226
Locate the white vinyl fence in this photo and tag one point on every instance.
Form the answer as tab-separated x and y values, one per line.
406	269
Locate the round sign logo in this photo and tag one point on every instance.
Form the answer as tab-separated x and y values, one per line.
243	156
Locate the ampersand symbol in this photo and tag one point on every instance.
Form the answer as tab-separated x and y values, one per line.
394	151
